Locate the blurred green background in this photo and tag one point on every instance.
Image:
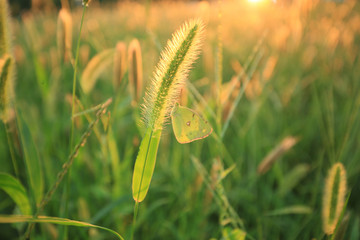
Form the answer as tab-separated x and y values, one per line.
301	80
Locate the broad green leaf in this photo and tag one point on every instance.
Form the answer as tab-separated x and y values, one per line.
94	68
16	191
145	164
54	220
32	160
295	209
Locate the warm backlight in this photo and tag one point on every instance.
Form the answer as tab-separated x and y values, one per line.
254	1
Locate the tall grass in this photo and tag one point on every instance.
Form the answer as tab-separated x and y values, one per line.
299	79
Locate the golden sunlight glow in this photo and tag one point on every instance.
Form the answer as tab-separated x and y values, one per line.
254	1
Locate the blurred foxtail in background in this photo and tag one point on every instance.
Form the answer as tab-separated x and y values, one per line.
333	197
135	71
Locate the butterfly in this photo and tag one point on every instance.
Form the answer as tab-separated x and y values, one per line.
188	125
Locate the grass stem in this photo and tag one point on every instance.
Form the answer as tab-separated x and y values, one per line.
11	149
136	210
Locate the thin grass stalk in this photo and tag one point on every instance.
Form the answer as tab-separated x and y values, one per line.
239	76
218	193
136	211
11	149
239	96
67	165
66	193
219	68
74	78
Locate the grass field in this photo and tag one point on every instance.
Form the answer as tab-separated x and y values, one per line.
279	84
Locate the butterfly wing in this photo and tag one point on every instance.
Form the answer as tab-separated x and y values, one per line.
188	125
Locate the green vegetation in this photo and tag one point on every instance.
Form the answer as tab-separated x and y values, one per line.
280	88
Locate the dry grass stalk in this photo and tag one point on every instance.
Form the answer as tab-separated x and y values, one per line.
334	197
286	144
119	64
135	70
64	34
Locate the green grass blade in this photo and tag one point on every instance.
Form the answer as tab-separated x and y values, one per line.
41	76
16	191
115	163
32	160
296	209
54	220
293	178
145	164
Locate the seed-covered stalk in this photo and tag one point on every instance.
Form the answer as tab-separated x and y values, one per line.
169	78
334	197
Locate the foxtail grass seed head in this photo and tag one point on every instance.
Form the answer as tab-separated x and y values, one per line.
119	64
334	197
5	69
171	72
5	30
169	78
64	34
135	70
286	144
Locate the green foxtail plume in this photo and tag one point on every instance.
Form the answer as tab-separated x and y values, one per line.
171	73
334	197
164	91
